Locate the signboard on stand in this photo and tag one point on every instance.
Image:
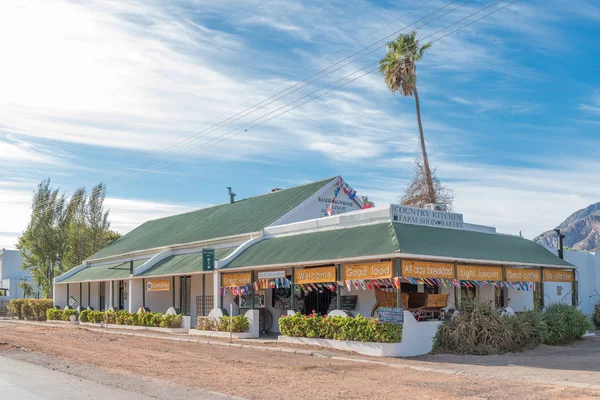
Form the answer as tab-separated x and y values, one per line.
391	314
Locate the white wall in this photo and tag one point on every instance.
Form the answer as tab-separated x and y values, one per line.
135	295
197	292
587	276
94	295
11	274
520	300
60	295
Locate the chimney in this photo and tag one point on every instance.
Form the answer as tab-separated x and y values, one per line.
275	190
231	195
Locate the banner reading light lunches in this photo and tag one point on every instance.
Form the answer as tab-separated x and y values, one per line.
553	275
479	273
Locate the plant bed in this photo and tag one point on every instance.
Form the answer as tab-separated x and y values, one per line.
218	334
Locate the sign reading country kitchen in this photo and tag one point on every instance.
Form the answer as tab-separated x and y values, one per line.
421	216
240	279
427	269
157	285
377	270
479	273
523	275
315	275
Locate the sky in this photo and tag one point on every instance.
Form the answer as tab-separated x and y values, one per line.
169	103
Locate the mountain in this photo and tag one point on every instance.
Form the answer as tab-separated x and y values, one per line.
581	230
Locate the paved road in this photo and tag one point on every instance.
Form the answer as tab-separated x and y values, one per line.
23	380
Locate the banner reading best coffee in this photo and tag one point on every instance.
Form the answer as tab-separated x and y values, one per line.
479	273
553	275
315	275
377	270
427	269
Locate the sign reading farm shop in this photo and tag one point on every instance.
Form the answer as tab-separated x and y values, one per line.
421	216
553	275
427	269
376	270
523	275
158	285
479	273
315	275
236	279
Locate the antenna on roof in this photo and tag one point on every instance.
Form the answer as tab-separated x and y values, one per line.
231	195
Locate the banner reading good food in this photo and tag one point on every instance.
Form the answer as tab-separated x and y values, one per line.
377	270
553	275
240	279
523	275
156	285
427	269
315	275
479	273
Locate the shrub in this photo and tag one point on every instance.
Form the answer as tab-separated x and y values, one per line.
54	314
171	321
596	316
357	328
67	313
240	324
565	323
481	329
84	316
37	308
15	306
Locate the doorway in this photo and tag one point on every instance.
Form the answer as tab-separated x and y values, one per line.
102	293
317	301
121	295
185	295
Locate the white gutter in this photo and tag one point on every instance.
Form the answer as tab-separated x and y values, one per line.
70	273
152	262
222	263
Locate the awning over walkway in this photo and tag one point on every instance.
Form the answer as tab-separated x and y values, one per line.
183	263
391	239
104	272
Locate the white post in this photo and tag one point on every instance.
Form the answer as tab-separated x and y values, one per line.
230	321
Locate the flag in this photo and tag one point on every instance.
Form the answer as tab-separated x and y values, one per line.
355	283
352	194
369	285
349	285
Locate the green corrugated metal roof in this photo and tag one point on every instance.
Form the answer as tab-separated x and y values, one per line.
325	245
183	263
103	272
244	216
454	243
389	238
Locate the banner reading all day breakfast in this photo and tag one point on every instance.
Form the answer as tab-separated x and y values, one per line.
238	279
427	269
376	270
479	273
523	275
315	275
553	275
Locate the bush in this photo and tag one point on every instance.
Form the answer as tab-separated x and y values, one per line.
171	321
84	316
54	314
15	306
565	323
240	324
37	308
596	315
357	328
67	313
479	328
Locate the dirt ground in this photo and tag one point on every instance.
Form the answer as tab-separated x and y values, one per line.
255	374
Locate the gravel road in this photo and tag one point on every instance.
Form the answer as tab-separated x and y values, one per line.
249	373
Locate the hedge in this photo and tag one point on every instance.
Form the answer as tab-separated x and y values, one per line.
359	328
34	309
239	324
149	319
564	324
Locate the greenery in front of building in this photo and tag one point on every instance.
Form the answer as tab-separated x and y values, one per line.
596	316
34	309
239	324
478	328
359	328
62	232
148	319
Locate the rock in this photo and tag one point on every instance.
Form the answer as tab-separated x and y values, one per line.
581	230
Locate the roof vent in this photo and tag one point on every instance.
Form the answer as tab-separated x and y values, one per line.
275	190
231	195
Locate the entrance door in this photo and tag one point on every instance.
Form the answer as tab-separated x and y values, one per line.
185	295
102	293
121	296
317	301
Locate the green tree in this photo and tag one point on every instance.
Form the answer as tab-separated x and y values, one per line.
399	68
61	235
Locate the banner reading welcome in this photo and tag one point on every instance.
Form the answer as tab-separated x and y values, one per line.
315	275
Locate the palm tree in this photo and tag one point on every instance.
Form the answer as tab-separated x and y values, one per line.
399	68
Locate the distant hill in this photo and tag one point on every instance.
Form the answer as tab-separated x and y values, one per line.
581	230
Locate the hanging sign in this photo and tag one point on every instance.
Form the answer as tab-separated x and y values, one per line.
479	273
427	269
271	274
157	285
523	275
377	270
553	275
239	279
208	259
314	275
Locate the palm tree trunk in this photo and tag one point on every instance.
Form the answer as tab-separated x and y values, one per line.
429	181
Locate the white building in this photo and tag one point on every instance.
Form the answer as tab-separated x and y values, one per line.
11	274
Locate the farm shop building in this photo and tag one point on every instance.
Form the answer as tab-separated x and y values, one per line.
278	253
